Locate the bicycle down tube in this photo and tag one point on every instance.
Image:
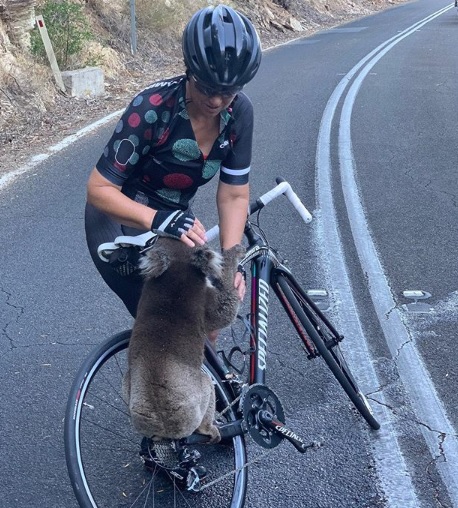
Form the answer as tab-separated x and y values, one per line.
260	274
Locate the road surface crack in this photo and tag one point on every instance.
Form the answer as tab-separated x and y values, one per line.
441	455
19	311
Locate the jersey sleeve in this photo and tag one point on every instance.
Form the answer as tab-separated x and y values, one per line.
235	169
130	142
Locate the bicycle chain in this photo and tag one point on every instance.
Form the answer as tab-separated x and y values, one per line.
226	409
236	470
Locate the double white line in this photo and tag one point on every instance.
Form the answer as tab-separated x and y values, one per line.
439	434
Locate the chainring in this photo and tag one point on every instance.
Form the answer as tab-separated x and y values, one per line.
259	397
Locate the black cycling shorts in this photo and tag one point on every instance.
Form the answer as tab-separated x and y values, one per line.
100	228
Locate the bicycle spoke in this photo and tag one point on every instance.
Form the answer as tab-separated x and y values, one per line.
104	454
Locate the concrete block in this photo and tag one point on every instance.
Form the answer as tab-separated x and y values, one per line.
84	82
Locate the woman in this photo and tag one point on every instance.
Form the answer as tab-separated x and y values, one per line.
173	138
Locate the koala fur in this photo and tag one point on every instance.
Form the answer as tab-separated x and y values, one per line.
188	292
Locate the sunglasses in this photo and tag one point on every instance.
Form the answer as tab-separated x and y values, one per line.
223	91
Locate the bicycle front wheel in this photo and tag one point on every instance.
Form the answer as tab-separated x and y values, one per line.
325	340
104	453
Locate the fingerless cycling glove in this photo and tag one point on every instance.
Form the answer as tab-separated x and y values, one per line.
172	223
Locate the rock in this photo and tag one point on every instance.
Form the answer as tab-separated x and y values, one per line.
294	25
19	17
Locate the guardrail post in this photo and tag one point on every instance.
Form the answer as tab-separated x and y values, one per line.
50	52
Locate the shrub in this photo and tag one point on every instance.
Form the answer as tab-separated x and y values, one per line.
67	28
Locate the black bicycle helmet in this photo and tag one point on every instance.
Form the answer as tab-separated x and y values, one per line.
221	47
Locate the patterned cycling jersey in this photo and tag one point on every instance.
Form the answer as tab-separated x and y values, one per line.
153	154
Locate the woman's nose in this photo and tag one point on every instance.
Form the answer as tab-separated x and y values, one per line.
216	101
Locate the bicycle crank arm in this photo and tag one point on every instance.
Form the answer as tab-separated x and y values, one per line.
233	429
266	419
227	431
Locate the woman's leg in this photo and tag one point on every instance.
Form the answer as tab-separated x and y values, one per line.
100	228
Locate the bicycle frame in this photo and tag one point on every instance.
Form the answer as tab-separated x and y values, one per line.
318	335
261	269
250	406
266	268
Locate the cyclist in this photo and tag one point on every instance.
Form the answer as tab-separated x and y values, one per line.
173	138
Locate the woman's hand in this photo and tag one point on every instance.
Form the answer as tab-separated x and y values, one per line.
195	235
180	225
240	285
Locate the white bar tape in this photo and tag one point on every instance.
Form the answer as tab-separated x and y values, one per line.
138	240
297	203
212	233
285	188
281	188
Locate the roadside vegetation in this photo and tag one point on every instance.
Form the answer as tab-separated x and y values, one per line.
98	33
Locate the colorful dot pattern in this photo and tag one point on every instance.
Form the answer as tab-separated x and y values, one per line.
153	154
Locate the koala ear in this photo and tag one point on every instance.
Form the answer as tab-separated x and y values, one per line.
207	261
155	262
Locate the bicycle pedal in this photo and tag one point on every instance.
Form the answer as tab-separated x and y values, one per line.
196	476
189	479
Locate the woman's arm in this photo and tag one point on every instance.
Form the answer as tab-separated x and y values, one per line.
108	198
232	202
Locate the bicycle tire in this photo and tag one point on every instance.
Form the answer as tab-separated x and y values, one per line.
317	329
102	449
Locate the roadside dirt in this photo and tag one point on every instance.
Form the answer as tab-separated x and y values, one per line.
29	131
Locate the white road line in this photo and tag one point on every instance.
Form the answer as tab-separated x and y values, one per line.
395	478
9	177
391	468
442	441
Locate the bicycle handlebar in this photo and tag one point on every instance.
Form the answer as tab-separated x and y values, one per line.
282	187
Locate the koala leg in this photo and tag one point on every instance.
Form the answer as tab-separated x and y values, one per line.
208	427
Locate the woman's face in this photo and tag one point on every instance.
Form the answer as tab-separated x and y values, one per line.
209	101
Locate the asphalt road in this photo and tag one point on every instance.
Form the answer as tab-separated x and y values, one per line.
361	121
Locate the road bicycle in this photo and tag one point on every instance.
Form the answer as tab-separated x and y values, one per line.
109	465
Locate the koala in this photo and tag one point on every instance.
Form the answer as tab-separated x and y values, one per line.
187	293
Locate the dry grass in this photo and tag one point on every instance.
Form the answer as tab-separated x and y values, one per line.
26	92
166	15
